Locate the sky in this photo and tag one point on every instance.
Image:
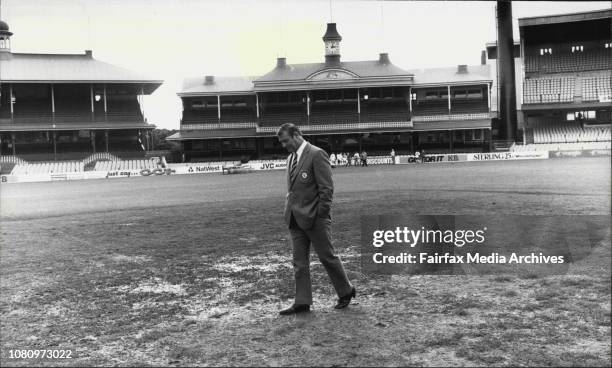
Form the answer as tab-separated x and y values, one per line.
175	39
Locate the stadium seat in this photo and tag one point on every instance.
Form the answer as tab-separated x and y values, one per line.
548	89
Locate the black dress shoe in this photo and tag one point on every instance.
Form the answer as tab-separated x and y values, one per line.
294	309
344	301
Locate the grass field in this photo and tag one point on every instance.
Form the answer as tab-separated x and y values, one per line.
192	269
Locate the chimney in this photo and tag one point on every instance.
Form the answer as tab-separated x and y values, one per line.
281	62
462	69
88	54
209	79
384	58
483	58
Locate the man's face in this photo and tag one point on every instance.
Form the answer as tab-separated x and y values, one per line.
290	143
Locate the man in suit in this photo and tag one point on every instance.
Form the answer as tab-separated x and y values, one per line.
307	214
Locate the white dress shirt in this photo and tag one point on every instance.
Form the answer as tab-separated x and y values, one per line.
300	150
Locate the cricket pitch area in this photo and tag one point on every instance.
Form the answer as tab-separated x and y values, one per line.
192	270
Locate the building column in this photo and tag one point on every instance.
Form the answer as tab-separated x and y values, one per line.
489	96
54	145
142	103
106	139
257	103
92	135
358	102
105	108
53	102
91	98
449	99
308	104
410	100
11	101
219	108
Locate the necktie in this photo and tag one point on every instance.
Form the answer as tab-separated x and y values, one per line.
293	165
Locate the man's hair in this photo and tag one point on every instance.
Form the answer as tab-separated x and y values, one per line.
290	128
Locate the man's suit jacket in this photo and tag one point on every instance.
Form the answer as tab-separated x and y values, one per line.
310	191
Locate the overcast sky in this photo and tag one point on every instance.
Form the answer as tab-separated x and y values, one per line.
174	39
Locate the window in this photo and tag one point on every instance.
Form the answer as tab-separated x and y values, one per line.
578	48
413	96
546	51
584	115
608	45
570	116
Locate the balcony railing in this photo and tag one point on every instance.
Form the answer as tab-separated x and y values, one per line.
346	126
245	125
450	117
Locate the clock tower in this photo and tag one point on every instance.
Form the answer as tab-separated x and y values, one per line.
332	45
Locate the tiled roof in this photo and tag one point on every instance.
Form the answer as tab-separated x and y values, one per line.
566	17
440	76
66	68
219	84
363	69
450	75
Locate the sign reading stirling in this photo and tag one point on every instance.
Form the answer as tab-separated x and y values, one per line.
332	74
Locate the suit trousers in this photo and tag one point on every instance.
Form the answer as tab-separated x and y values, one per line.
320	238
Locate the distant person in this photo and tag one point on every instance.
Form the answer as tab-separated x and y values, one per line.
356	158
392	156
364	158
307	214
332	159
347	160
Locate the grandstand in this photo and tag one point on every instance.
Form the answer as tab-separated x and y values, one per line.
52	167
567	64
340	106
113	165
569	132
102	161
67	106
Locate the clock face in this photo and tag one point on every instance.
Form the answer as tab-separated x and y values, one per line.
332	47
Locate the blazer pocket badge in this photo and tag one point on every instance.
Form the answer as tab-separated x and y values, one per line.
304	175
